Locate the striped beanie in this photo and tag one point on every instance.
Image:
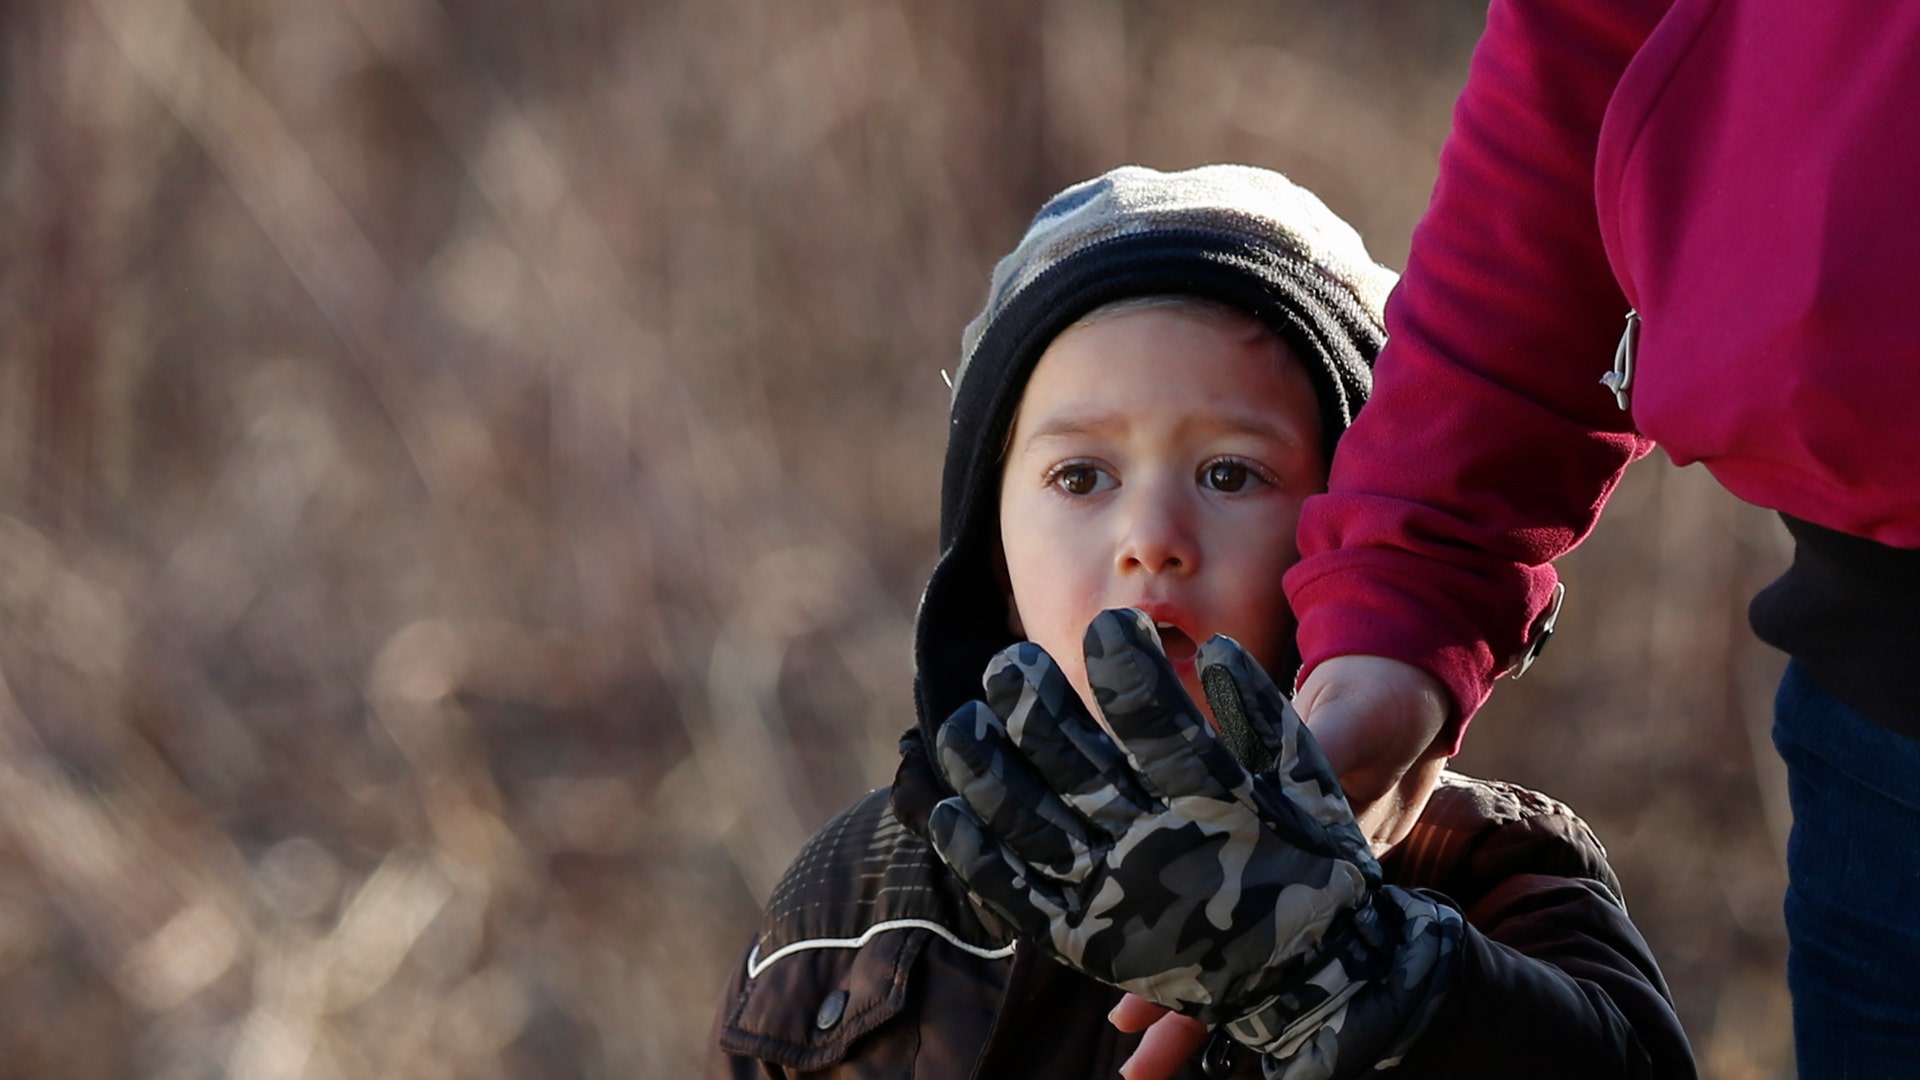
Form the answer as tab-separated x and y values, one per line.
1246	237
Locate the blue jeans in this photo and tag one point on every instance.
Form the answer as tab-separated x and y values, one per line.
1853	886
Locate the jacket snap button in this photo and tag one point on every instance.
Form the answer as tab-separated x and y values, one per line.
831	1010
1221	1057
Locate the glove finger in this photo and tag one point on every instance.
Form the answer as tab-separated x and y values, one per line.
999	880
1312	802
1246	733
1022	677
1155	723
1241	714
1270	722
1011	798
1046	719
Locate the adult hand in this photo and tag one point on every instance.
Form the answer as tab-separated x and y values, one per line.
1280	928
1379	722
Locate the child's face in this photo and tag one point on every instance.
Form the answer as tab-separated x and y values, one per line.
1159	461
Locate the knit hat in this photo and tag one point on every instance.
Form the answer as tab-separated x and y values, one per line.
1246	237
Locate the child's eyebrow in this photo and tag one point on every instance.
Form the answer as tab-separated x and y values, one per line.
1074	424
1230	422
1250	422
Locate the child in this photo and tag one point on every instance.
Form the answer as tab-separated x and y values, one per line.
1156	383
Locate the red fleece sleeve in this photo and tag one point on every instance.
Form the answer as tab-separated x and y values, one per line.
1489	445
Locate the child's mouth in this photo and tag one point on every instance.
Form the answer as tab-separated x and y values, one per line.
1175	642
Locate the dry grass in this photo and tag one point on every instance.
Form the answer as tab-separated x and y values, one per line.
466	471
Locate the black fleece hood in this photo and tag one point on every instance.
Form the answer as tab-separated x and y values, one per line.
1243	236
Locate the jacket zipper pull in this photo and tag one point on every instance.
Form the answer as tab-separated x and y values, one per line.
1620	379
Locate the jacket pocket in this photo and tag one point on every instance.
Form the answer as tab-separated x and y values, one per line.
806	1010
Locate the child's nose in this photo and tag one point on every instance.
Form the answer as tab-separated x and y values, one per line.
1159	540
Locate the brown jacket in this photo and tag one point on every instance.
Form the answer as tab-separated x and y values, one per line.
872	962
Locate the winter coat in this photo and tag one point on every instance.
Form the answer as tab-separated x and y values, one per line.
873	962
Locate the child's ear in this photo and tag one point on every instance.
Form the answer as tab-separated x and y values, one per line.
1005	581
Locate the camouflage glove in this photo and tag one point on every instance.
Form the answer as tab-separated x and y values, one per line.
1153	861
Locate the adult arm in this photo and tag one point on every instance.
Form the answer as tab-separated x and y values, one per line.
1488	446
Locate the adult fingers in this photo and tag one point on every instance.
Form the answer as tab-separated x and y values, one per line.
1135	1013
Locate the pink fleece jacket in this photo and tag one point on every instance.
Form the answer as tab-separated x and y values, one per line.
1744	175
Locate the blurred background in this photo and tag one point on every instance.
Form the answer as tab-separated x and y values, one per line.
467	469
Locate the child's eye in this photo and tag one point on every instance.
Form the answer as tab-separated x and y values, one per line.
1228	475
1080	479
